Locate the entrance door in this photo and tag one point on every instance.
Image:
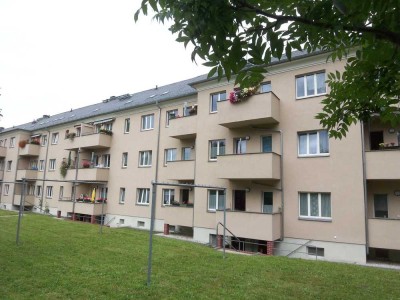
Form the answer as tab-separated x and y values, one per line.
380	206
376	138
239	200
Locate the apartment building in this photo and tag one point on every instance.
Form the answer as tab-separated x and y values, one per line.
287	188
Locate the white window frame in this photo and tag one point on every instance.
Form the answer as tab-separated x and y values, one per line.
61	193
124	159
218	149
143	196
52	164
43	140
217	202
54	138
315	83
41	165
308	154
38	191
106	160
145	158
12	142
264	85
147	122
6	189
122	194
183	153
240	145
170	154
218	99
168	196
9	165
127	125
49	191
309	216
169	114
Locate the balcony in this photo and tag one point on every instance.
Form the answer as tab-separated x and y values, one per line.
251	166
252	225
382	164
29	150
88	174
29	200
90	141
183	128
93	209
27	174
180	170
260	109
178	215
384	233
3	151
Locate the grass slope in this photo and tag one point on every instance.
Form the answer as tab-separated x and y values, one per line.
71	260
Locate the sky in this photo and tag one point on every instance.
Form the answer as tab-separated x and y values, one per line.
61	54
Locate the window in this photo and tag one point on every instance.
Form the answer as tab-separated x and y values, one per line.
168	196
239	200
266	144
54	138
31	189
310	85
106	159
315	205
216	199
122	196
184	196
6	189
148	122
61	195
43	140
124	159
186	110
313	143
38	191
145	158
2	164
170	154
240	145
52	164
33	164
265	87
49	192
12	142
1	143
312	250
215	98
127	125
78	131
171	114
41	165
217	147
268	200
9	165
380	206
186	153
143	196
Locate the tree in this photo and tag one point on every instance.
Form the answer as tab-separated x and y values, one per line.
240	38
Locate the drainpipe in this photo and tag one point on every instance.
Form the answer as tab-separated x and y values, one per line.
364	169
44	171
15	175
74	183
281	171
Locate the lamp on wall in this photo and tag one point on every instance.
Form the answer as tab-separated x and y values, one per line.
248	190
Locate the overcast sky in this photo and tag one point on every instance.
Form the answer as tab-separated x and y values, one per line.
61	54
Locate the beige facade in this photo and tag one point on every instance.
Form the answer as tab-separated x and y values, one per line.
287	185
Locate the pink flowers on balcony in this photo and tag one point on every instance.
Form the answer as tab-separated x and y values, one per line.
239	95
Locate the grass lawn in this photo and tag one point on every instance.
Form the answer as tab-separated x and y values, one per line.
70	260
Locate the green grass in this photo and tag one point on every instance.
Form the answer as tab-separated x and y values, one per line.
70	260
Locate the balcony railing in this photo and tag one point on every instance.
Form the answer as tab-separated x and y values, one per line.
88	174
29	200
86	208
250	166
30	150
3	151
90	141
382	164
252	225
27	174
178	215
180	170
183	127
260	109
384	233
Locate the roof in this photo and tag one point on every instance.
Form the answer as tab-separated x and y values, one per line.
129	101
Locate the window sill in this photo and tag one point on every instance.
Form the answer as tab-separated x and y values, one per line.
314	155
312	96
146	129
213	112
315	219
211	211
145	166
121	203
142	204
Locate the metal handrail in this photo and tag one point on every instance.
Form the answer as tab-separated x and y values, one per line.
236	238
302	245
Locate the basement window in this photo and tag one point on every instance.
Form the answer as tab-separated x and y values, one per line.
140	224
315	251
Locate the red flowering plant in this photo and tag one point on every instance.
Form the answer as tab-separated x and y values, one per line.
239	95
